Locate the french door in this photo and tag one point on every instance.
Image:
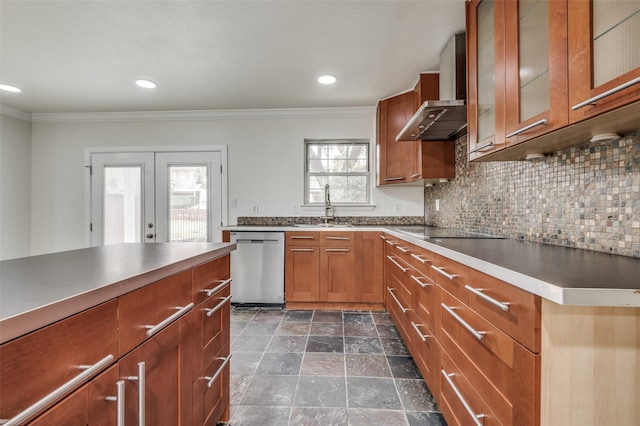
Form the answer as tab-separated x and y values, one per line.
155	197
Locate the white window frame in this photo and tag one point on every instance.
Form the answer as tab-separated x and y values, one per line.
364	142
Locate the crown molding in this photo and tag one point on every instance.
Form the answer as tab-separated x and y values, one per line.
15	113
239	114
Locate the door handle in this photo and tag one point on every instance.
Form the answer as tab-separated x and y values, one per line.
150	235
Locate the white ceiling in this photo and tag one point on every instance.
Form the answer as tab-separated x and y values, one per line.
84	56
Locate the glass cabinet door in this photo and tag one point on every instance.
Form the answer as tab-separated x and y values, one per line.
536	64
604	65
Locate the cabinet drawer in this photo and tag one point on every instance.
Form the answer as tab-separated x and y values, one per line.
211	392
459	400
209	277
452	276
144	312
38	363
302	238
337	238
421	260
426	353
499	368
513	310
211	328
399	287
425	302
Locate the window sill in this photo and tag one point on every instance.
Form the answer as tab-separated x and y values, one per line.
338	207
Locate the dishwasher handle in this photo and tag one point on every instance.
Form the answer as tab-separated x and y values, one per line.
250	241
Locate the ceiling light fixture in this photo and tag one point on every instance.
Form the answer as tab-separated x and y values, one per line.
8	88
327	79
147	84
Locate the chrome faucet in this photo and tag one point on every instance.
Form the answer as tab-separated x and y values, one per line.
328	208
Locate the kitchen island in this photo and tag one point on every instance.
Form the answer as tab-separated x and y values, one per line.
95	333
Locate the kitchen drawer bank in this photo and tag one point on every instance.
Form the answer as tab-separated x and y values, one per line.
155	354
492	353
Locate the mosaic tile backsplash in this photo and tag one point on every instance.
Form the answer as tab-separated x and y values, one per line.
586	197
353	220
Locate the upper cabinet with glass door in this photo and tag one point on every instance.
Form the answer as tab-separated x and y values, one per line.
485	76
604	56
535	68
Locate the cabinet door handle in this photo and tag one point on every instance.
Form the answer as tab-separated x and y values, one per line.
336	250
606	94
212	379
50	399
302	237
529	127
391	292
338	238
420	283
477	418
142	384
404	249
397	264
307	250
211	311
478	292
415	175
391	243
419	259
223	284
441	271
391	179
153	329
119	399
482	147
383	237
477	334
415	326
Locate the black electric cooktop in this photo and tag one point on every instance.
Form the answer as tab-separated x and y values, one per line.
434	232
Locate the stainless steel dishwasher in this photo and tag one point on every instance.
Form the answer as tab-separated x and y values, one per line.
257	268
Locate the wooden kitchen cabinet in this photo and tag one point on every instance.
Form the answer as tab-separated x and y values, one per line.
547	75
603	38
329	269
406	162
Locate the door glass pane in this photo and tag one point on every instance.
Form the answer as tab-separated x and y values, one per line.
486	71
533	36
188	203
616	37
122	204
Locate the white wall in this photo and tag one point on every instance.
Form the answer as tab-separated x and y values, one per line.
265	161
15	187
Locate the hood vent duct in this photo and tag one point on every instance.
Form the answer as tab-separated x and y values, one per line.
443	119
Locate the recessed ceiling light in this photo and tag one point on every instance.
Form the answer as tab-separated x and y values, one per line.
8	88
147	84
327	79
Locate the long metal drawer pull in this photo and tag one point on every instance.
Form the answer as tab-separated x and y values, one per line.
477	334
383	237
420	283
212	379
47	401
391	292
336	250
404	249
302	237
529	127
338	238
415	326
478	292
441	271
418	258
223	284
606	94
119	399
391	243
415	175
142	385
153	329
477	418
211	311
394	178
482	147
303	250
397	264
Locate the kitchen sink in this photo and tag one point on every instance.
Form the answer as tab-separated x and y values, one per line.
323	225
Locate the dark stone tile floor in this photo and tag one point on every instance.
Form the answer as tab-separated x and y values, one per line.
325	368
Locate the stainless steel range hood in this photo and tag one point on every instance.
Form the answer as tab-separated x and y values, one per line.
443	119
